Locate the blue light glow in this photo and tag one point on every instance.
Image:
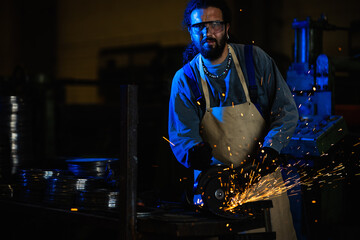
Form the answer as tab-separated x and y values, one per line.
197	200
303	44
322	71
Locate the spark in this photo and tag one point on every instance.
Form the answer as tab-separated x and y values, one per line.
269	78
169	141
259	188
244	186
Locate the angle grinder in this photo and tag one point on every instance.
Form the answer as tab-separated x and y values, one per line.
214	187
218	185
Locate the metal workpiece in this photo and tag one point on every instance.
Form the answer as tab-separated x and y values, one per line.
16	134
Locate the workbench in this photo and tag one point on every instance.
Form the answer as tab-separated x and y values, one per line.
25	220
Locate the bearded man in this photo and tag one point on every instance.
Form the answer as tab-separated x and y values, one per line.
226	108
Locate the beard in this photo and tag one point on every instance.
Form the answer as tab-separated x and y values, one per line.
212	52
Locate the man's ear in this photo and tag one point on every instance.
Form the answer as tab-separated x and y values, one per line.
227	27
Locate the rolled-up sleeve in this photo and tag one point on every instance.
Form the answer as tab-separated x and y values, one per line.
184	119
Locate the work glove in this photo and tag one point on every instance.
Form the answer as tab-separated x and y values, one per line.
199	156
268	159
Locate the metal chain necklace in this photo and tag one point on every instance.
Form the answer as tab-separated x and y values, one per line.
221	74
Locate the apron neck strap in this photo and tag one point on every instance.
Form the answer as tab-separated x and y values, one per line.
240	74
238	70
204	84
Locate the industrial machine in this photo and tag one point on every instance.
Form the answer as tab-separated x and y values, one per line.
310	82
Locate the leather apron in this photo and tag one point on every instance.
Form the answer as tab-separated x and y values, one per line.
234	132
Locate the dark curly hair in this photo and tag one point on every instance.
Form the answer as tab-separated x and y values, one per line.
197	4
191	51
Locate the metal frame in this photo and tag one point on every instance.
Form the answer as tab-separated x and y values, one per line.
128	161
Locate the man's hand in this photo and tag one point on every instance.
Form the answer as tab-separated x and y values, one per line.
199	156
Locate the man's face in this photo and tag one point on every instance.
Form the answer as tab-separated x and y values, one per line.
209	40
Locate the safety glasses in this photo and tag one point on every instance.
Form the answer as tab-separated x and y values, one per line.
212	26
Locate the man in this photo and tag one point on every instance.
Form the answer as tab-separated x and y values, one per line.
239	112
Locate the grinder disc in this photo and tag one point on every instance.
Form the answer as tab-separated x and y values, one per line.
217	186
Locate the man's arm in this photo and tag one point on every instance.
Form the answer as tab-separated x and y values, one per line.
183	126
282	110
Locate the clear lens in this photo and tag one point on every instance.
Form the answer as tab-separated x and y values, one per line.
214	27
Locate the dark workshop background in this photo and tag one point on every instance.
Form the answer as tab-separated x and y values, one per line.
75	54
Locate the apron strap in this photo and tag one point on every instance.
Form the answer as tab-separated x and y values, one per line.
204	85
240	74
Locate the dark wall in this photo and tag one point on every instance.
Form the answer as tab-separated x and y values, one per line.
72	39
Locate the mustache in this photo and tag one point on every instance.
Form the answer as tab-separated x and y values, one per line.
208	38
